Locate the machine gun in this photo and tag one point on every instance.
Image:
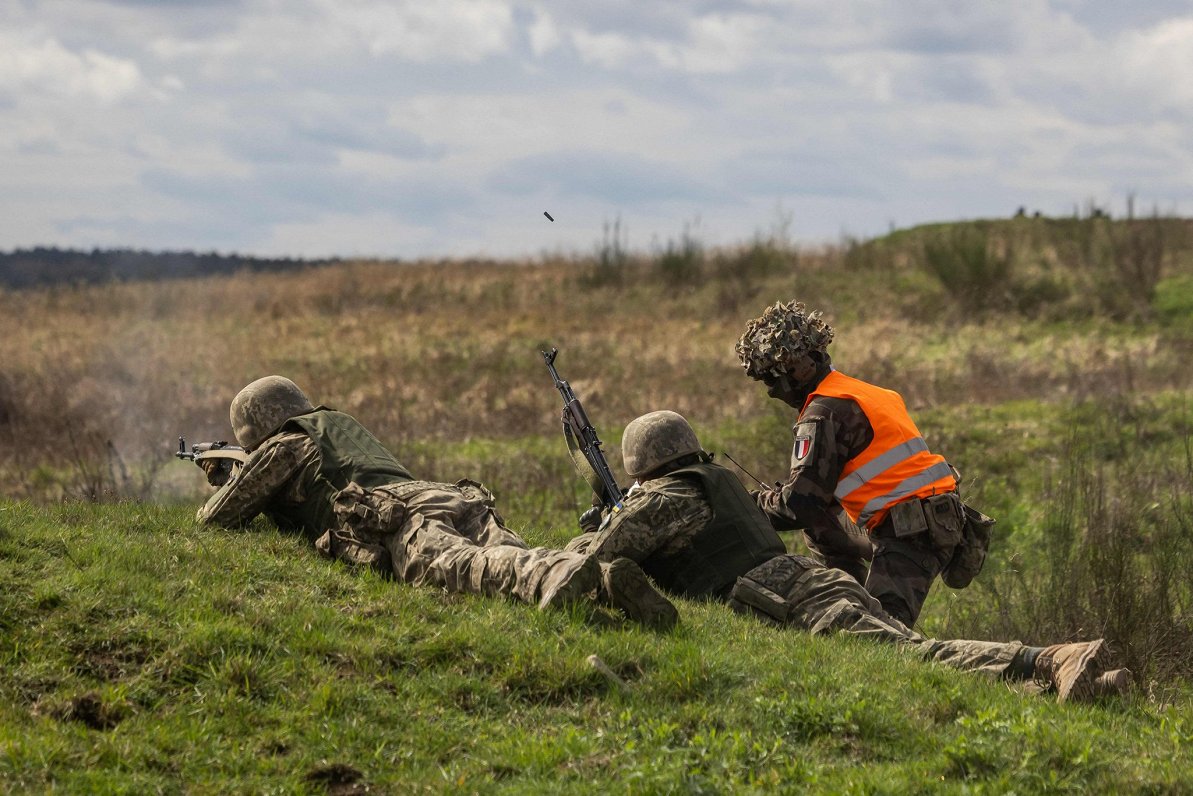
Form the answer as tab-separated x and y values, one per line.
218	459
583	444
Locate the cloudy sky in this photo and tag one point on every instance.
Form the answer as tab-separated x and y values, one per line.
446	127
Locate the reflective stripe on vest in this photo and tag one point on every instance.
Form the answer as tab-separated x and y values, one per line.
934	473
895	466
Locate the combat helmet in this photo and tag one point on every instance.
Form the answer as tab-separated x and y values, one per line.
654	439
260	409
786	340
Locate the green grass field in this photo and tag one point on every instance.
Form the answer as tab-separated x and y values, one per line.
142	654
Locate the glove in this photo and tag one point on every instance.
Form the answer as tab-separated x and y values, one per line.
218	470
590	521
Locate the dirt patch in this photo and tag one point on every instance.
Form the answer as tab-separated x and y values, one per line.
89	709
340	779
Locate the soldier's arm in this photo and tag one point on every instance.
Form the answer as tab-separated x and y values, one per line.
828	434
650	520
266	473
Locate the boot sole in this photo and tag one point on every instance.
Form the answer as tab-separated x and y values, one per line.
1113	683
1089	667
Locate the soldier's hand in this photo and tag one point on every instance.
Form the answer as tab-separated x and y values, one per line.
218	470
590	521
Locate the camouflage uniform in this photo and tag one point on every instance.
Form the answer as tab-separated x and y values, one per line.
445	535
787	349
666	516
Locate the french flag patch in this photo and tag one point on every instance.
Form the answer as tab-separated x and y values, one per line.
802	446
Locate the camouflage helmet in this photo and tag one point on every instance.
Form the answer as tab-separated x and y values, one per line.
783	342
654	439
260	409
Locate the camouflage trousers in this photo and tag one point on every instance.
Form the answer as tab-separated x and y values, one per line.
444	535
797	591
902	572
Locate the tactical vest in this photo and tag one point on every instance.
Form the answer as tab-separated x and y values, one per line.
738	538
347	452
896	466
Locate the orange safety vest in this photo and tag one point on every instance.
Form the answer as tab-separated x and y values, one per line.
896	466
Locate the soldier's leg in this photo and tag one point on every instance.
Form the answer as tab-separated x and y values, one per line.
432	552
553	576
470	508
994	658
626	587
829	602
438	546
902	573
796	590
800	592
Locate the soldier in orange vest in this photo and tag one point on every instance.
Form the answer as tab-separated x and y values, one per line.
856	449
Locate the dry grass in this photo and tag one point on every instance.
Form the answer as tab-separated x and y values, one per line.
444	352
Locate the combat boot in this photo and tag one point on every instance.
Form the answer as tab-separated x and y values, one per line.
570	582
1073	669
630	591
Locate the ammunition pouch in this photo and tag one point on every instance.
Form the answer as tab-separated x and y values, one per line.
907	519
941	516
970	554
945	514
343	545
764	589
370	513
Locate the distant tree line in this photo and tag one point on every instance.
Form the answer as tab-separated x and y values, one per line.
46	266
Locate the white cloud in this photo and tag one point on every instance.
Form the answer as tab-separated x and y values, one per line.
416	30
710	44
43	66
544	35
608	50
482	130
1159	62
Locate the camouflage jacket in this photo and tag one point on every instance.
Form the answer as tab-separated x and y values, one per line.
828	433
269	482
295	475
669	527
658	517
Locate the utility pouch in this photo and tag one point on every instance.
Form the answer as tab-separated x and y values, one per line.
907	519
750	596
343	545
970	554
764	589
945	514
369	513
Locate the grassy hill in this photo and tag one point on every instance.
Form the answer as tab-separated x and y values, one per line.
142	655
1046	358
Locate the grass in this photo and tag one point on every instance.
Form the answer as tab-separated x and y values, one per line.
144	654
